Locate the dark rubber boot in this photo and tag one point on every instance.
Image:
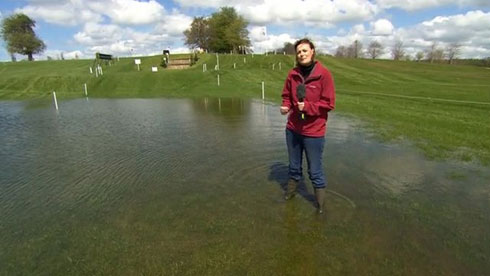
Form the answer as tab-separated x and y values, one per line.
291	189
320	199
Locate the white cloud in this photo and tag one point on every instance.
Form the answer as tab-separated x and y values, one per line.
62	14
94	34
258	33
74	12
129	12
174	24
214	3
113	39
73	54
412	5
309	12
107	24
469	28
56	54
382	27
319	13
358	29
261	43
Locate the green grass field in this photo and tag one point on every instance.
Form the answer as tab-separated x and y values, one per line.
443	109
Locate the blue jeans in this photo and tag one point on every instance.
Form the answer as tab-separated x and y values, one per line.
313	148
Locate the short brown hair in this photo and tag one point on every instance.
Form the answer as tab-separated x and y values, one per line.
305	41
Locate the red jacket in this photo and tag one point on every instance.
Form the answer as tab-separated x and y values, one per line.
320	98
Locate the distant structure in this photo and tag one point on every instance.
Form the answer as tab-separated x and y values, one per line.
179	63
103	56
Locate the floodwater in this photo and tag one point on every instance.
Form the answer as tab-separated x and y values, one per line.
194	187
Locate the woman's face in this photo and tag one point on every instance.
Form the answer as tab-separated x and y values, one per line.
304	54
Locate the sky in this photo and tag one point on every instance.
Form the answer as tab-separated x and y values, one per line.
80	28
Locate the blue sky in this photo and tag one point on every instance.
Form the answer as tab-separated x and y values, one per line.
131	27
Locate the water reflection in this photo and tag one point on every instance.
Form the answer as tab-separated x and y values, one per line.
225	107
181	185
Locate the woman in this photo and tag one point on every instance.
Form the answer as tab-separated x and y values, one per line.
308	96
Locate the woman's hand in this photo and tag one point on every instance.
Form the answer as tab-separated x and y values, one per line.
284	110
301	106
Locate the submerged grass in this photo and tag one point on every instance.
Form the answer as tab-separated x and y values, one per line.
137	196
398	100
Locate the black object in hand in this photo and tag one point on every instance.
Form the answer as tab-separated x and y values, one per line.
300	92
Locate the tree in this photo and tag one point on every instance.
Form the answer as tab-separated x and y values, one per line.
434	53
487	61
397	51
355	49
452	51
419	55
17	31
197	36
288	48
341	52
439	54
375	49
224	31
228	31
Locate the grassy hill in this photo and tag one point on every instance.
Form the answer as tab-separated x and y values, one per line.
443	109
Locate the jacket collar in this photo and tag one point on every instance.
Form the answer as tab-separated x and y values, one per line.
314	72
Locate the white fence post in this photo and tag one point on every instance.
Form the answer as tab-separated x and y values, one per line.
217	61
55	101
263	90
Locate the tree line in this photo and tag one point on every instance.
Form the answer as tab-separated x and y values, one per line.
375	49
